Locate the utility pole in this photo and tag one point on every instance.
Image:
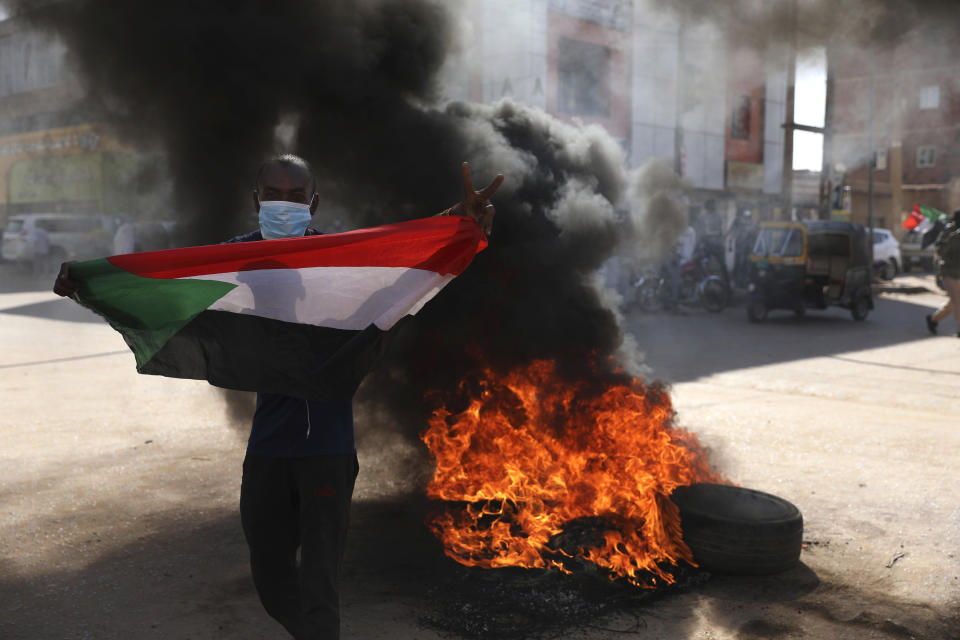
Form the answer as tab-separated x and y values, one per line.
871	97
789	125
681	98
895	165
827	178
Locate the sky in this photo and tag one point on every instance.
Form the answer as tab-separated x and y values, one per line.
809	108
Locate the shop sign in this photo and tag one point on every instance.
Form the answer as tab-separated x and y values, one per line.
22	145
56	179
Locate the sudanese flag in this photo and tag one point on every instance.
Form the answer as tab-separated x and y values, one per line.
922	218
303	317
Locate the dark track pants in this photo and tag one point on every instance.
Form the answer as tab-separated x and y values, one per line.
286	503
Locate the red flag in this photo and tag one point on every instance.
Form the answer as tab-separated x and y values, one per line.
915	218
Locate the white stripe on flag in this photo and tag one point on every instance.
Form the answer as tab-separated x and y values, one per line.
336	297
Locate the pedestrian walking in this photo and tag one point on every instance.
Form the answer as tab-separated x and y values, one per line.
948	249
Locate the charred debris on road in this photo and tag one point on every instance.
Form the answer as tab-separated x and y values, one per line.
513	603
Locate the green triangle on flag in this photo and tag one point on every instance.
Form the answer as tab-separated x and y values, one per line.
146	311
931	214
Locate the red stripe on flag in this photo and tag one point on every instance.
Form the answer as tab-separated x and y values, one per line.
915	218
443	244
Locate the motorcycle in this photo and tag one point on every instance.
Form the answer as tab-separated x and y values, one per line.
701	283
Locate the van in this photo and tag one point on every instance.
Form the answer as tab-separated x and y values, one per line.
72	236
915	255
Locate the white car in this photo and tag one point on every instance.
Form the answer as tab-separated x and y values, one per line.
71	236
886	254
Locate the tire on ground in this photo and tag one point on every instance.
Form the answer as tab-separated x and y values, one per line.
737	531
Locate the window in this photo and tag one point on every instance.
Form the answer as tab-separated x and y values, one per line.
926	156
583	83
774	241
740	118
827	244
930	97
794	244
31	61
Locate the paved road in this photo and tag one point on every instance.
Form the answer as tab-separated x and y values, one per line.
119	491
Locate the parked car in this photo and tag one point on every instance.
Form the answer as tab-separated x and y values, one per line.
913	256
72	236
887	261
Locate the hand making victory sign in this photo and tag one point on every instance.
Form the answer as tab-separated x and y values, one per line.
476	204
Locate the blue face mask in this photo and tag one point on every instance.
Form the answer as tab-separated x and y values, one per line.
280	219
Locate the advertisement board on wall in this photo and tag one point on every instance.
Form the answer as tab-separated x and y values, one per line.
80	168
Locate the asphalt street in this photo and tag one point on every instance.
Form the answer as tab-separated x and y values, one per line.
119	492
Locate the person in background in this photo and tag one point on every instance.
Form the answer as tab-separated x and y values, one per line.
744	233
124	240
39	249
682	253
948	248
709	230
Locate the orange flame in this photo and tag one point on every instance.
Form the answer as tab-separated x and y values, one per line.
532	453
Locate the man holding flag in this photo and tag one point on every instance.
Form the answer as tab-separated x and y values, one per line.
300	321
926	221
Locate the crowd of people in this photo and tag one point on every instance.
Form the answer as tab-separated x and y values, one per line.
724	249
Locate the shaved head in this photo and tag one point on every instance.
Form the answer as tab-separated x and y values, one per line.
287	162
286	178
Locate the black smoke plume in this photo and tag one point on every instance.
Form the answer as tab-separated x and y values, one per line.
353	85
209	83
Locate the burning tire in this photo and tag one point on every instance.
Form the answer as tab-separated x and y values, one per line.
739	531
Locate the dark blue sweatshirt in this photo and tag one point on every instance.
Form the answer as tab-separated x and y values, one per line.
293	427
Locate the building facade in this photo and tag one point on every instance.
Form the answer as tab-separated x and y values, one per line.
55	153
901	106
665	85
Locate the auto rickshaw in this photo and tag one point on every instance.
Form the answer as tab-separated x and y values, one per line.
810	265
